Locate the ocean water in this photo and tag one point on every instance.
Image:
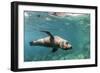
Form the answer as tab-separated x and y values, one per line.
74	28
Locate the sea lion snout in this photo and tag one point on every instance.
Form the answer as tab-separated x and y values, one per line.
70	46
67	46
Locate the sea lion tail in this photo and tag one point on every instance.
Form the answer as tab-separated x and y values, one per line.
30	43
33	43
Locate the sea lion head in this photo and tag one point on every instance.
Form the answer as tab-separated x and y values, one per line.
66	45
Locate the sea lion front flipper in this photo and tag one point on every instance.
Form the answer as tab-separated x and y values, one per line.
47	32
54	49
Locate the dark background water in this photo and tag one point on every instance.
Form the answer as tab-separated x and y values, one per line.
75	29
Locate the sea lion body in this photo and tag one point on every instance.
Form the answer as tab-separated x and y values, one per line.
54	42
46	41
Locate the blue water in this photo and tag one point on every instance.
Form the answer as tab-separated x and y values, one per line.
75	29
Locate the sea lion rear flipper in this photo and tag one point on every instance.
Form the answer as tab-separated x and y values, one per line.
54	49
47	32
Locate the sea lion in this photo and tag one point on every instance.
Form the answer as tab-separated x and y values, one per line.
54	42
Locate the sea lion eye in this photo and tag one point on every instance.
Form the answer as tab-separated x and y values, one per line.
66	42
